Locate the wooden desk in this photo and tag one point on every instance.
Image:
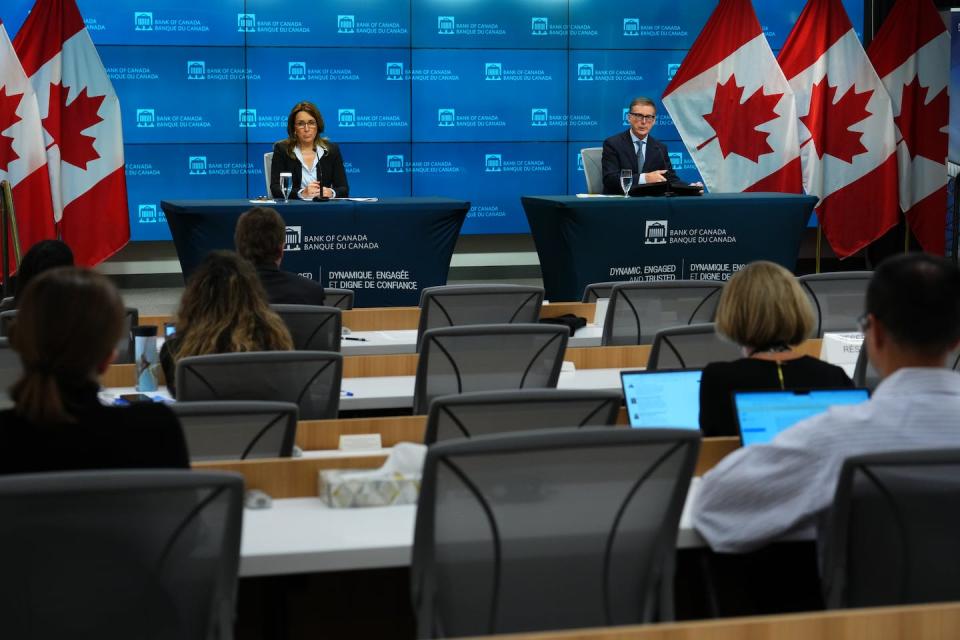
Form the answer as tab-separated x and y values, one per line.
917	622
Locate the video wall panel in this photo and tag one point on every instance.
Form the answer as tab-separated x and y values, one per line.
486	101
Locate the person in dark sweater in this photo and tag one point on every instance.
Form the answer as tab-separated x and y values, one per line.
58	423
45	255
259	237
764	310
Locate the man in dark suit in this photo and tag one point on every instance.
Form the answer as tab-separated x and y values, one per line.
259	237
637	150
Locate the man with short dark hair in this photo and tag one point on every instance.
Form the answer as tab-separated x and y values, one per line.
637	150
763	492
259	237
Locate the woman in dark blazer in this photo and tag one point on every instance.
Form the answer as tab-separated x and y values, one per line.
315	162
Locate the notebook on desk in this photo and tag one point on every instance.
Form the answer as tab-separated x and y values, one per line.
662	398
761	415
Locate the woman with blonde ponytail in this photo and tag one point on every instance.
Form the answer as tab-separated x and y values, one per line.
66	331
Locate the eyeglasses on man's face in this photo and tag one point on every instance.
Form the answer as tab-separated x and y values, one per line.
642	117
306	124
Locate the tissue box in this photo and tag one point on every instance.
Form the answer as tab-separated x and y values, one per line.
344	489
841	348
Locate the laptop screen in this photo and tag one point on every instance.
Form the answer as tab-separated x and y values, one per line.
761	415
665	398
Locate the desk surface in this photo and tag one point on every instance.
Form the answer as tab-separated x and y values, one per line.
302	535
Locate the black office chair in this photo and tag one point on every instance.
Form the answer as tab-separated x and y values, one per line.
690	347
549	529
339	298
891	537
461	305
838	299
119	554
597	290
488	412
638	310
11	369
239	430
312	328
864	375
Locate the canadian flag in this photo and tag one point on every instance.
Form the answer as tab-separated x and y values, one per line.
23	161
734	108
81	120
847	144
911	54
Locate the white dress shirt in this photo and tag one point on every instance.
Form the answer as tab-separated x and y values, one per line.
309	173
763	492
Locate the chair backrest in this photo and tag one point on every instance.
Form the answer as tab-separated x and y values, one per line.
864	375
237	430
690	347
638	310
458	305
549	529
126	350
488	357
312	328
487	412
592	169
598	290
309	379
104	554
891	537
267	162
339	298
10	371
838	299
6	321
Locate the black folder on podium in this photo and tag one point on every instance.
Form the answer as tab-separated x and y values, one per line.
666	189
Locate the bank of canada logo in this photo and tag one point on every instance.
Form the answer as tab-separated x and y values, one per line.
345	24
446	117
247	117
394	71
493	163
538	117
631	27
672	68
143	21
246	22
585	71
347	117
626	119
196	69
296	70
198	165
579	161
147	212
293	236
655	232
676	159
145	118
493	71
395	163
539	26
446	25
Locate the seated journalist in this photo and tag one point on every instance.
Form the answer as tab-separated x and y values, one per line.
764	310
314	162
223	310
637	150
66	332
259	237
761	493
44	255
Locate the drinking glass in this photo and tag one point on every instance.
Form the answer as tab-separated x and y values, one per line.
286	185
626	181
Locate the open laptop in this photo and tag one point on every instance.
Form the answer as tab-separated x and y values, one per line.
761	415
668	398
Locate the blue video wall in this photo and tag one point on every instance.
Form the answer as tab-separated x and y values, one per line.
482	100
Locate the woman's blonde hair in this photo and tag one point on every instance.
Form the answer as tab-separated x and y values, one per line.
224	310
763	306
69	321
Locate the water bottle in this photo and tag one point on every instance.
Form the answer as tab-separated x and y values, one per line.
145	352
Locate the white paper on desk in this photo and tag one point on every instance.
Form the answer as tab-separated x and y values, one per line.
358	199
841	348
262	201
597	195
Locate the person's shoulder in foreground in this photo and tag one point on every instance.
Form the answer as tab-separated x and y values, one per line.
283	287
765	492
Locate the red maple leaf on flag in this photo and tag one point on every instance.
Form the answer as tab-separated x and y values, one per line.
8	117
829	122
66	122
920	122
735	123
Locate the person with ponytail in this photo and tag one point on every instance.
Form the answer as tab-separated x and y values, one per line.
67	327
